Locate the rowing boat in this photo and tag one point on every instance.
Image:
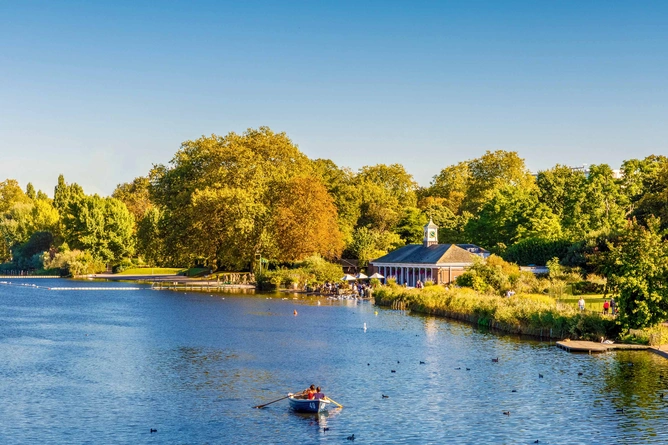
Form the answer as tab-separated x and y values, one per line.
308	406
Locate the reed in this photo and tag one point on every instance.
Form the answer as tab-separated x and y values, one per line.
528	314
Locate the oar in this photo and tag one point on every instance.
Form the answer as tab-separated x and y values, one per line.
277	400
337	404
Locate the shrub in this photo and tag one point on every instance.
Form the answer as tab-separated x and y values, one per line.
533	314
536	251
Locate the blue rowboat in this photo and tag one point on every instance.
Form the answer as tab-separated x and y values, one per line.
308	406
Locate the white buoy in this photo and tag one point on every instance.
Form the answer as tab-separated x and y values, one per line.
364	327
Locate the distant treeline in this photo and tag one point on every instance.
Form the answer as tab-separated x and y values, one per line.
227	201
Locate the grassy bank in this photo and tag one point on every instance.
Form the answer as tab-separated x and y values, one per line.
529	314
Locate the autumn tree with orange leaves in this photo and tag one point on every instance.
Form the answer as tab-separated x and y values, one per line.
305	221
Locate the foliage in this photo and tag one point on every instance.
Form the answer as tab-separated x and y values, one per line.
135	196
102	227
74	262
368	244
304	220
521	313
536	251
313	270
411	226
492	275
637	269
218	195
149	238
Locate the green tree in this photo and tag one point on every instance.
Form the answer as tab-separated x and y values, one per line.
30	191
411	226
11	194
491	172
510	216
604	208
101	226
135	196
64	194
450	226
451	185
341	185
654	199
388	189
227	184
149	238
637	268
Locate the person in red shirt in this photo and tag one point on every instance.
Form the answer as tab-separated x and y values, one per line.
606	306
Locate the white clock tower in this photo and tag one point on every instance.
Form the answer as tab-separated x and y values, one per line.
430	234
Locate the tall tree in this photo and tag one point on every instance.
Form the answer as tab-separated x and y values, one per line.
135	196
101	226
637	268
245	172
10	194
305	221
64	194
492	172
341	185
387	190
451	185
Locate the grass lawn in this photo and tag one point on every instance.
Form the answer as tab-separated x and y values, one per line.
593	302
152	271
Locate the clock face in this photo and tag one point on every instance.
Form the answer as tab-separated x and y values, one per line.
432	234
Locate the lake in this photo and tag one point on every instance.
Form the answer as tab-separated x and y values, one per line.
105	366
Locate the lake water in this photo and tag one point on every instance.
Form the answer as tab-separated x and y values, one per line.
107	366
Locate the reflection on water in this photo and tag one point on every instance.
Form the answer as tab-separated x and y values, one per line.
105	367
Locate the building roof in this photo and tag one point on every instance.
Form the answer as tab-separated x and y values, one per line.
434	254
431	225
475	249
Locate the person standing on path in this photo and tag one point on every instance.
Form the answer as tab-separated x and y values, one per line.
606	306
613	306
581	304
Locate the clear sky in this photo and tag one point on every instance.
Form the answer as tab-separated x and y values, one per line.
100	91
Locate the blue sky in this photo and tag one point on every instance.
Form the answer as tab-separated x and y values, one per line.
100	91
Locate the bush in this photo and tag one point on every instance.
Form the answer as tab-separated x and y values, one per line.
536	251
74	262
312	271
532	314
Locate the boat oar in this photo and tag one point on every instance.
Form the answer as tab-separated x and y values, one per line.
277	400
337	404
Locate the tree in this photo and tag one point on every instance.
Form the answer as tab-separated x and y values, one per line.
411	226
450	226
341	185
101	226
10	194
637	268
369	244
224	188
64	194
149	238
451	185
491	172
135	196
30	191
304	221
604	207
511	215
654	199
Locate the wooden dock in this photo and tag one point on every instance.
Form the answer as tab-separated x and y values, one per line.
591	346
